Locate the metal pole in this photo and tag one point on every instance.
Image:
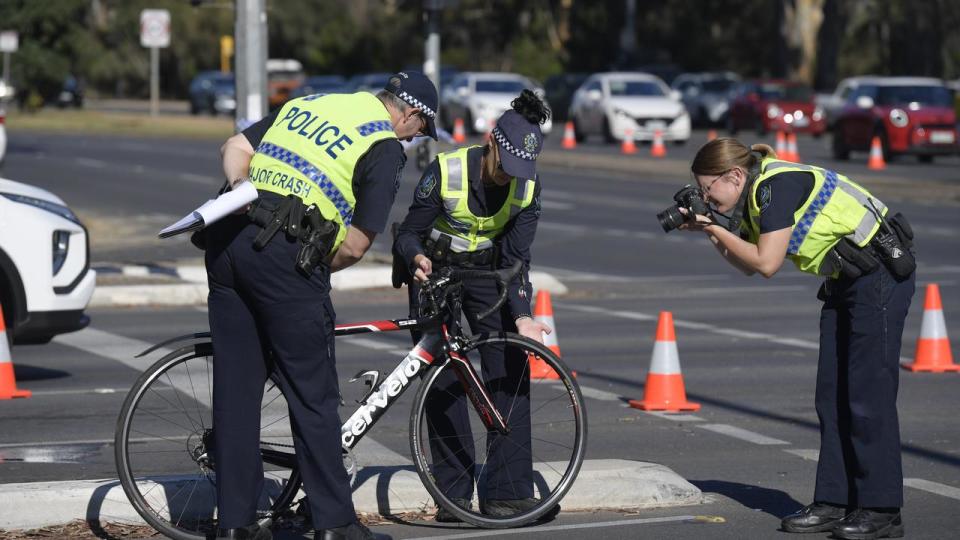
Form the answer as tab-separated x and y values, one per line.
6	68
154	81
250	48
431	64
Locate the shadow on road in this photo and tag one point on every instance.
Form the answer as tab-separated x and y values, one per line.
774	502
31	373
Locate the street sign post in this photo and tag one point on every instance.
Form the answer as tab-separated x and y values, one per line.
155	33
9	43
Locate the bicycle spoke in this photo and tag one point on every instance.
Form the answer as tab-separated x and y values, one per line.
187	504
195	398
182	406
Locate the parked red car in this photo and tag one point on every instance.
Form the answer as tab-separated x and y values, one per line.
910	115
775	105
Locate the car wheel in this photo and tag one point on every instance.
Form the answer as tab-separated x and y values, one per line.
608	136
679	142
888	155
925	158
838	147
578	134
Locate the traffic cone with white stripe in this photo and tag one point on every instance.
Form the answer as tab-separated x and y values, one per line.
792	147
933	346
876	161
664	389
569	138
8	381
657	149
628	146
459	134
543	312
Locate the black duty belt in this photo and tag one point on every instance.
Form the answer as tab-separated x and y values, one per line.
447	257
316	234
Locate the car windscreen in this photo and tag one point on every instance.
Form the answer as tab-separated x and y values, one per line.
500	86
785	93
635	88
936	96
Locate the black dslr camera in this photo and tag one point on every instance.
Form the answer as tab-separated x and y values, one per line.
689	198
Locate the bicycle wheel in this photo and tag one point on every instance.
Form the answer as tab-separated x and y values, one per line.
163	447
538	459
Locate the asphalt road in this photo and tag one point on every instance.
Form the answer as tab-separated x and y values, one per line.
747	345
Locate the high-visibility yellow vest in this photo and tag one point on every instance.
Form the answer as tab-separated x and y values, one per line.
470	232
313	147
837	207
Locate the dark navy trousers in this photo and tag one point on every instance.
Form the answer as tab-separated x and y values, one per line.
258	302
509	463
861	326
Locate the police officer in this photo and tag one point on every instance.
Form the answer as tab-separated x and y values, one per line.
327	169
828	226
478	207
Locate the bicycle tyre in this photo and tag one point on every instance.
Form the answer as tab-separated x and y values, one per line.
419	445
122	451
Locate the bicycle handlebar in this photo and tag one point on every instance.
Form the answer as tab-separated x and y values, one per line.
447	277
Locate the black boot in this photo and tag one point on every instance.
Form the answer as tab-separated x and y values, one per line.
816	517
509	507
444	515
353	531
866	524
250	532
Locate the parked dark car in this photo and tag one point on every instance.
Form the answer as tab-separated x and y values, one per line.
910	115
71	95
213	92
775	105
706	95
369	82
559	90
319	84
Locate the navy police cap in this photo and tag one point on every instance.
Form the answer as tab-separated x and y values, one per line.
520	143
418	91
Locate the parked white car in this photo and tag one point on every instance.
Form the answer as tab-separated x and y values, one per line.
3	134
613	104
479	98
45	277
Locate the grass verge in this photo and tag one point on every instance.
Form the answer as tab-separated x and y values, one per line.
129	124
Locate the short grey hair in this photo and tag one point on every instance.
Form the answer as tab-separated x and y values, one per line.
389	98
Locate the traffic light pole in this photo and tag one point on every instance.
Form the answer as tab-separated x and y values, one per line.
431	63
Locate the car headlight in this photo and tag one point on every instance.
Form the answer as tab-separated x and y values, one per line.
899	118
773	111
61	244
53	208
817	114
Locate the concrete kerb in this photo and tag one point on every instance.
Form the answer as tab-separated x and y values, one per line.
194	290
610	484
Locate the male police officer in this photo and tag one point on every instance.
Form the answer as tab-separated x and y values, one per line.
327	168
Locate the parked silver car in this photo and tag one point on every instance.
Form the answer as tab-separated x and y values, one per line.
615	104
706	95
479	98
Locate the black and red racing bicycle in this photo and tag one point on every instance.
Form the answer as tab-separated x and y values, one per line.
164	432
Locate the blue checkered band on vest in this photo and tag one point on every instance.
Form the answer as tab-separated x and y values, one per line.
417	104
313	174
806	221
374	127
505	144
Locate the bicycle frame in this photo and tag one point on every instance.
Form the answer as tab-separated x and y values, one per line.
436	345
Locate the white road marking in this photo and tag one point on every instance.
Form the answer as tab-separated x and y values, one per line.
594	393
675	417
554	205
811	454
87	162
80	391
198	178
527	531
742	434
374	344
119	348
933	487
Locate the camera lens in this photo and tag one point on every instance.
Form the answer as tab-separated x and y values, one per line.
671	218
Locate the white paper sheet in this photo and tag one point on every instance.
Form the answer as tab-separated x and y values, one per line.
213	210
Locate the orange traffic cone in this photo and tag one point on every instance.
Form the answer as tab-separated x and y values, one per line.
628	146
459	134
569	139
792	147
781	148
8	381
933	345
657	149
664	389
543	312
711	135
876	161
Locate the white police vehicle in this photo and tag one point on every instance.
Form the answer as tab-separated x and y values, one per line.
45	276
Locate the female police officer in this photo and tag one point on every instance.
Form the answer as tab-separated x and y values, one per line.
478	207
828	226
269	283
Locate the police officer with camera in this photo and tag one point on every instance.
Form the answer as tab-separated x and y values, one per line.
832	227
327	168
478	207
